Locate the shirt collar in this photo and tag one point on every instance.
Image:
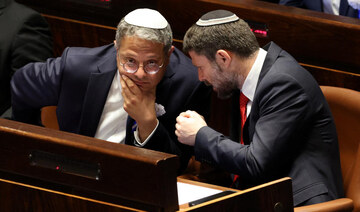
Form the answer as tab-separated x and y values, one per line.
252	78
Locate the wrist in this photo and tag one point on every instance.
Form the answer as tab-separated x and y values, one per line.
146	127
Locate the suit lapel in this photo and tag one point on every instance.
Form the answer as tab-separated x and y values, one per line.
96	95
129	138
164	87
235	126
163	91
346	10
343	7
273	52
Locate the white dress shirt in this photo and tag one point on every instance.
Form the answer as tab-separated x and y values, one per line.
331	6
112	124
249	86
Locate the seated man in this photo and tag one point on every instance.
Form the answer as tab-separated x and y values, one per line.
287	126
127	92
336	7
25	37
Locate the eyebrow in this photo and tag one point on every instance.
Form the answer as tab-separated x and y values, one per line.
197	66
133	56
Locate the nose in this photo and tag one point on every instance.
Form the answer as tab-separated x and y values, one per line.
140	73
201	75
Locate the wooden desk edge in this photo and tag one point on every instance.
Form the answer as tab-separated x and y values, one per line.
185	207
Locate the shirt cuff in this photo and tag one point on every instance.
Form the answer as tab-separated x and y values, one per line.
137	141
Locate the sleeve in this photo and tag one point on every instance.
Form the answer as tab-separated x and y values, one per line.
283	109
137	141
164	138
33	42
34	86
179	91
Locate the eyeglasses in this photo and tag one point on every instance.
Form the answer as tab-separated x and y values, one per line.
131	66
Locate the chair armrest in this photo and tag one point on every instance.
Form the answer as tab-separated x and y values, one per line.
342	204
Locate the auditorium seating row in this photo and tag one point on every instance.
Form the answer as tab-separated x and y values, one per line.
326	45
48	170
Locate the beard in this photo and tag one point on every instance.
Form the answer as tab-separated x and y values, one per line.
224	83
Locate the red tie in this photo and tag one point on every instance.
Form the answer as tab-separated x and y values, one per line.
243	102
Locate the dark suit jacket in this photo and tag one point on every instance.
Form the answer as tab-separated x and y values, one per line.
25	37
317	5
289	132
78	83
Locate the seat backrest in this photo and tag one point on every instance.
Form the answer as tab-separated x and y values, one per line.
345	107
49	117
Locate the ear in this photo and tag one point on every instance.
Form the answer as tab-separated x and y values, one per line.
115	44
171	51
223	58
167	58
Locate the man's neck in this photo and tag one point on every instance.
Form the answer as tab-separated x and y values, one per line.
243	65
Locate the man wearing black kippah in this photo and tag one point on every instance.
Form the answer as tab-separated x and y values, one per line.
281	123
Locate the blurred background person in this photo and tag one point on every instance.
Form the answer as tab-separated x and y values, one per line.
25	37
335	7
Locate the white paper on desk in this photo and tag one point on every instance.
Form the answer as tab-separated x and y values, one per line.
188	192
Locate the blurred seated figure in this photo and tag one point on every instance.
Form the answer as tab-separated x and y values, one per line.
348	8
25	37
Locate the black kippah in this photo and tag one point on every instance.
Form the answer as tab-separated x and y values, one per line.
217	17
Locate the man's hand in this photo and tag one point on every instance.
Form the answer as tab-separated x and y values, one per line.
140	106
187	126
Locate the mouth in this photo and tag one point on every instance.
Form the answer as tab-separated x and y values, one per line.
140	83
207	83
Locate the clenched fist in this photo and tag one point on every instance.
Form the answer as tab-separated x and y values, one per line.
187	125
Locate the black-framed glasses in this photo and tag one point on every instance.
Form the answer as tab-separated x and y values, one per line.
150	67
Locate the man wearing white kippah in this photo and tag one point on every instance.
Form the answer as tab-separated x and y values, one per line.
127	92
281	123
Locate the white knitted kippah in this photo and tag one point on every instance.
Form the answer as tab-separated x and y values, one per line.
146	18
217	17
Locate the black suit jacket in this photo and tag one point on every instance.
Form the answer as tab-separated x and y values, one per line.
289	132
25	37
78	83
317	5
